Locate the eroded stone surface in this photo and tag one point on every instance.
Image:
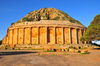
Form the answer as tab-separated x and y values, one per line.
42	32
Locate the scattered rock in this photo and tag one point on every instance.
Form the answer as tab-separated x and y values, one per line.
71	50
84	51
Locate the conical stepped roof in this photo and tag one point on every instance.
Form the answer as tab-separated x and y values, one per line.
47	14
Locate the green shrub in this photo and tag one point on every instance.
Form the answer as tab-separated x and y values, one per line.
79	51
82	39
93	31
72	47
67	49
28	19
51	51
12	23
56	18
84	53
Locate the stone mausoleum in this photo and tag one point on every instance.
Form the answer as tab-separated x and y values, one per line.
44	30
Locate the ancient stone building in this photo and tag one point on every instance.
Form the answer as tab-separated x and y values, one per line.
44	32
45	29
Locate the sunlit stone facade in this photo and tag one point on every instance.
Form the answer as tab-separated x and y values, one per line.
44	32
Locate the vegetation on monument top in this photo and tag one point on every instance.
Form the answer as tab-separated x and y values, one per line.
12	23
93	31
47	14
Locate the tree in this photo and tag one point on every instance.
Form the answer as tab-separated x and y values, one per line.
93	31
0	42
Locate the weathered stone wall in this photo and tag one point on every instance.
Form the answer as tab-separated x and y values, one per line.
43	35
66	36
20	36
6	42
51	35
79	35
73	36
35	35
27	36
59	35
3	40
10	37
15	34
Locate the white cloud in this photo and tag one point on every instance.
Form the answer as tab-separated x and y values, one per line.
97	42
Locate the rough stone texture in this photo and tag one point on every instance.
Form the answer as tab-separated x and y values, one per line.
73	36
10	38
15	36
84	51
20	36
51	35
72	50
3	40
45	33
6	40
35	35
66	36
79	35
59	34
27	36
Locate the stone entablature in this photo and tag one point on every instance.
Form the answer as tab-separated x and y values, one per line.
48	23
30	33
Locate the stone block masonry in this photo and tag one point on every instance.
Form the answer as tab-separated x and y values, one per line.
44	34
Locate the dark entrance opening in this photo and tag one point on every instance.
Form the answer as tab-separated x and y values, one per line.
48	35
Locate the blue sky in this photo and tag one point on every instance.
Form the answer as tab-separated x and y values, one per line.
13	10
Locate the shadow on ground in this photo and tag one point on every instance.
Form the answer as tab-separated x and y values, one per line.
14	53
96	49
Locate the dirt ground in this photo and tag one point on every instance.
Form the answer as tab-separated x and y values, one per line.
30	58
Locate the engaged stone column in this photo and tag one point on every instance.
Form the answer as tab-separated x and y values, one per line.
35	35
43	35
59	35
46	35
84	32
30	35
3	41
38	35
12	36
80	35
10	39
76	36
17	34
70	36
23	35
20	35
7	39
55	35
63	35
27	35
